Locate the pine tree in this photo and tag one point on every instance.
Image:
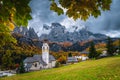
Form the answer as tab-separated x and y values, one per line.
92	51
119	47
21	69
70	54
110	47
57	64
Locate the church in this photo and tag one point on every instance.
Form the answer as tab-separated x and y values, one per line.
38	62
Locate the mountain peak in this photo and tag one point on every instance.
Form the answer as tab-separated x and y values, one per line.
59	33
26	32
56	24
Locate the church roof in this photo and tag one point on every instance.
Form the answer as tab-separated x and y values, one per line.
51	58
29	60
38	58
28	65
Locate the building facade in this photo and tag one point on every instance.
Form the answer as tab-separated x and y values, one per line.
38	62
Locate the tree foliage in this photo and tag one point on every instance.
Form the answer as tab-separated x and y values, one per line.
12	13
92	51
110	47
7	61
21	68
15	11
62	59
80	8
70	54
119	47
13	53
5	35
57	64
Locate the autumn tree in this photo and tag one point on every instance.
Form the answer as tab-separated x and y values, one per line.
17	12
12	13
5	36
82	9
62	59
7	61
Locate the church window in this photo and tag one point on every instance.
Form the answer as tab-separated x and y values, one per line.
47	48
35	64
43	48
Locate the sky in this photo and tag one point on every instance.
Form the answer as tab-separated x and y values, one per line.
107	23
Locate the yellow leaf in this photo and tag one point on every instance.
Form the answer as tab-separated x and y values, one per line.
11	26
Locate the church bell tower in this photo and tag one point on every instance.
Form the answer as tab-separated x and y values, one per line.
45	53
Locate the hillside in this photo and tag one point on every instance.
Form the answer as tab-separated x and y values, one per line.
102	69
59	38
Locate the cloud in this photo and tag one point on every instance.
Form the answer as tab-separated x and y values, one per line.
68	23
41	14
109	20
112	33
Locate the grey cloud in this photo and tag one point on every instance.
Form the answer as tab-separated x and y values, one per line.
108	21
42	14
41	10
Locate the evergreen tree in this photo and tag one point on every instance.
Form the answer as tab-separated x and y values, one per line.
57	64
92	51
110	47
119	47
70	54
21	69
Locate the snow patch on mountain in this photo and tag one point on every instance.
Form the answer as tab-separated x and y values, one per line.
59	33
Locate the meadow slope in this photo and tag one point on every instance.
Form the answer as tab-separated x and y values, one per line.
101	69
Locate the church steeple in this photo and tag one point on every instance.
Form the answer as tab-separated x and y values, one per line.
45	53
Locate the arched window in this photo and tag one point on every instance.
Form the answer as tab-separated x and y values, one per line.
47	48
35	64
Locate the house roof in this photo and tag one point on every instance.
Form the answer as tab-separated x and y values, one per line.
71	59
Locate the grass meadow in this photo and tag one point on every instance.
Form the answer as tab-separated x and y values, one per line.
101	69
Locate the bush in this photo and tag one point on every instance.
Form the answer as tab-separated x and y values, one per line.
57	64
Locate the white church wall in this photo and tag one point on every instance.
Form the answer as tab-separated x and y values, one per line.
49	65
35	66
53	63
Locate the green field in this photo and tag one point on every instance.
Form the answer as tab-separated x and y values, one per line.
101	69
